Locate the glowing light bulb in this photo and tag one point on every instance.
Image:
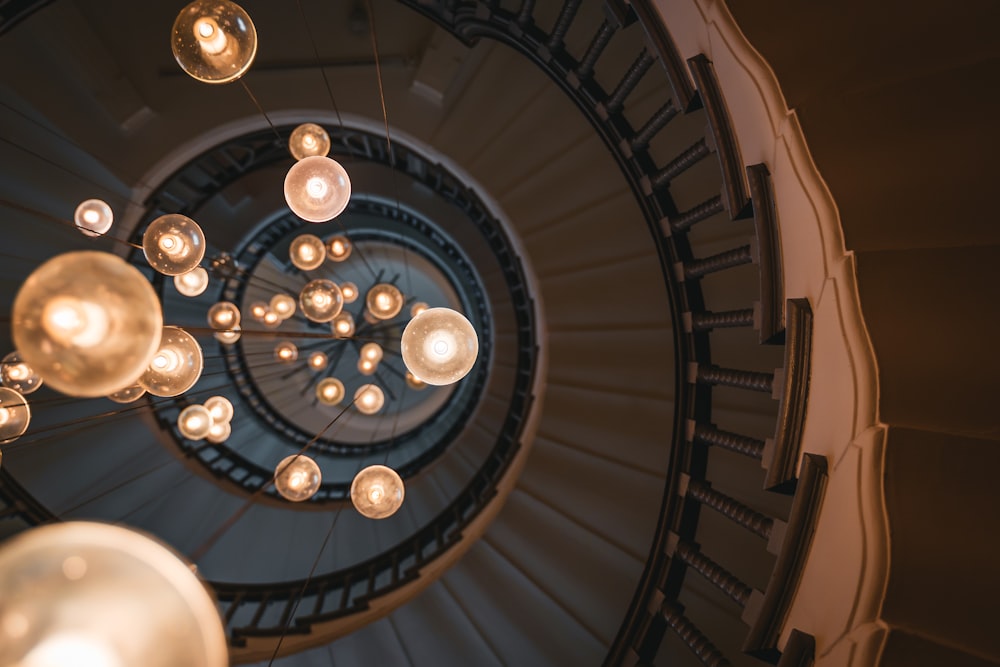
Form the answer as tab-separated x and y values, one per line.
220	408
93	217
377	492
223	315
229	336
15	415
129	394
214	41
318	361
195	422
417	308
307	140
350	292
371	351
283	306
176	366
286	352
271	319
87	322
18	375
307	252
367	366
339	248
369	399
297	477
321	300
384	301
317	189
173	244
330	391
257	310
439	346
192	283
219	433
413	382
343	325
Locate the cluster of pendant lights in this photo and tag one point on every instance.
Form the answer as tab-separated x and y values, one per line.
88	324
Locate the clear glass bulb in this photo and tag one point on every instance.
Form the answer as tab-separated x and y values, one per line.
195	422
413	382
418	308
321	300
286	352
371	351
369	399
350	292
15	415
283	306
214	41
93	217
367	366
192	283
258	309
307	140
343	325
384	301
129	394
271	319
18	375
338	248
439	346
377	492
87	322
176	366
223	315
297	477
219	433
173	244
318	361
220	408
317	189
330	391
307	252
229	336
98	595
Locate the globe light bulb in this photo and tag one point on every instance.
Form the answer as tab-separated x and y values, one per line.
283	306
258	309
413	382
220	408
369	399
371	351
307	140
367	366
297	477
384	301
343	325
307	252
223	315
271	319
219	433
317	189
195	422
173	244
99	595
15	415
418	308
129	394
87	322
176	366
286	352
338	248
321	300
318	361
350	292
93	217
229	336
330	391
439	346
214	41
192	283
17	375
377	492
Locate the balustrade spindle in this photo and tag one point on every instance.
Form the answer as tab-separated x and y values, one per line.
524	15
655	123
732	509
680	164
631	79
707	320
594	51
736	442
720	262
738	379
561	27
695	640
722	578
702	211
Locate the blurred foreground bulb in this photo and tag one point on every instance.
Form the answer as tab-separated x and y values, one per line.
271	319
176	366
129	394
173	244
307	252
339	248
192	283
220	408
321	300
350	292
317	189
214	41
297	477
286	352
413	382
283	305
87	322
377	492
229	336
258	309
384	301
439	346
93	217
223	315
97	595
330	391
308	139
19	376
318	361
369	399
195	422
343	325
15	415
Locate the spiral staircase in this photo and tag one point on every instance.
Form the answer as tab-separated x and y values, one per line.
632	479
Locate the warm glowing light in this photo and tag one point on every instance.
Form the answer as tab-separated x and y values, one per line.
350	292
377	492
286	352
214	41
176	366
192	283
439	346
270	319
18	375
307	252
318	361
15	415
297	477
219	433
417	308
129	394
223	315
371	351
229	336
367	366
343	325
317	189
338	248
220	408
307	140
321	300
369	399
93	217
384	301
330	391
257	310
195	422
87	322
283	306
173	244
413	382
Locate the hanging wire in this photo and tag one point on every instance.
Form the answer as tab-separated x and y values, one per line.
263	113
